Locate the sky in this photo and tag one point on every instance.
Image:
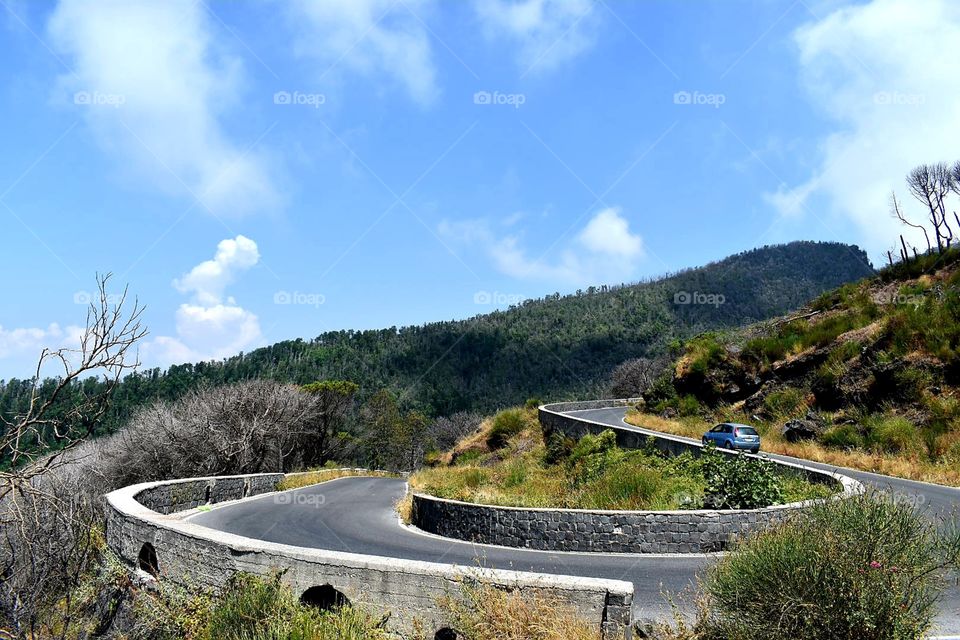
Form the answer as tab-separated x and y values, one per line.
262	171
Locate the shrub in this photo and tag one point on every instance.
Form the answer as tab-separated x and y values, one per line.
911	382
254	608
842	436
894	434
485	612
735	481
785	403
558	448
506	424
622	488
703	353
474	477
864	568
688	405
592	455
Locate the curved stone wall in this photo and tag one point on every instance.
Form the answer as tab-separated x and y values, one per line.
689	531
149	517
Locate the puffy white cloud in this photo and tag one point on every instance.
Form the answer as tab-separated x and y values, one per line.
884	71
547	32
153	86
208	279
211	326
369	36
20	348
605	250
608	232
30	341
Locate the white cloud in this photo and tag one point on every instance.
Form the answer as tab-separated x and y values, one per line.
604	251
31	341
153	86
211	326
20	348
369	36
208	279
884	71
608	232
547	32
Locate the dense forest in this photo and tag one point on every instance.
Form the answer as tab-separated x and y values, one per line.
553	347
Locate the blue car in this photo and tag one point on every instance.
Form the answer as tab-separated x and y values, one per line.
730	435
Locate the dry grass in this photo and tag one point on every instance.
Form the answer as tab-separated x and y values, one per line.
488	613
911	467
296	481
404	508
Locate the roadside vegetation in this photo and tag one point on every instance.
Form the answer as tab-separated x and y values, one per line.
865	568
332	472
508	462
867	376
264	608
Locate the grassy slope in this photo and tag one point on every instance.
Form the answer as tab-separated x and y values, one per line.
875	364
508	463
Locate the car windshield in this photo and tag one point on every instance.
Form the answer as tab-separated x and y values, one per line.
746	431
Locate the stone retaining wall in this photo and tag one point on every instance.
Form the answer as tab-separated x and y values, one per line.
694	531
142	519
691	531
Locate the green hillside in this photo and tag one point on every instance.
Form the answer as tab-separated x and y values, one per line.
557	346
867	375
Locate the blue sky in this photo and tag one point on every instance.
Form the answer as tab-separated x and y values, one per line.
264	171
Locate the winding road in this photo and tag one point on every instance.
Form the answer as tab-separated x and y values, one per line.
356	515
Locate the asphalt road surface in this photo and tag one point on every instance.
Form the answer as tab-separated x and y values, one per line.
357	515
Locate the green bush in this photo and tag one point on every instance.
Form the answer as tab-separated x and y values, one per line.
688	405
506	424
786	403
912	382
736	481
894	434
864	568
254	608
842	436
558	448
621	487
592	455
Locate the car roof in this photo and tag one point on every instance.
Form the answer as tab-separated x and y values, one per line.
736	424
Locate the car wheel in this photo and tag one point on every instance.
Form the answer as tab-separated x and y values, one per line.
755	451
704	441
728	445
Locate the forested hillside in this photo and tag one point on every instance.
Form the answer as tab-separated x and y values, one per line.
554	347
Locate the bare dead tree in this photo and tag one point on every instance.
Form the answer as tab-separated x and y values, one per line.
47	522
36	442
901	216
248	427
633	377
930	184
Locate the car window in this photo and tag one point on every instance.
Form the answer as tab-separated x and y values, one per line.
746	431
717	429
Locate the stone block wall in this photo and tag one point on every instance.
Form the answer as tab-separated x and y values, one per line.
409	591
